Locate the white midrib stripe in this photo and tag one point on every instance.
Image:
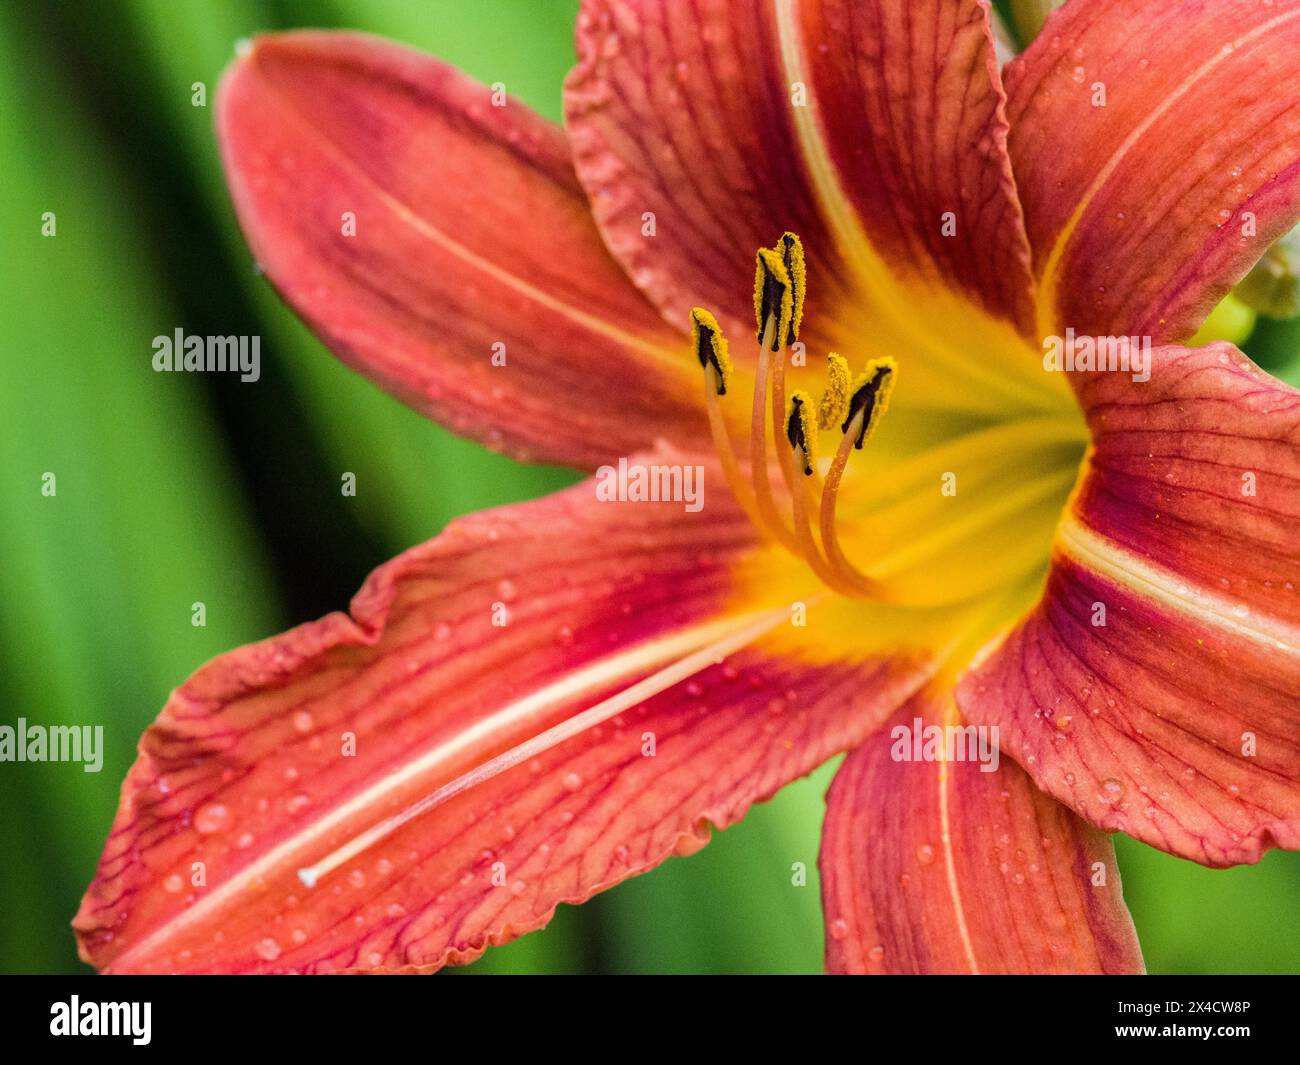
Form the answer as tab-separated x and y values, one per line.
1051	265
590	678
1120	566
950	868
438	237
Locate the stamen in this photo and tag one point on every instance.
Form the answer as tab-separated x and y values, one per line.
870	397
778	411
711	348
802	436
773	299
780	283
749	629
834	403
800	431
845	573
758	462
791	249
867	404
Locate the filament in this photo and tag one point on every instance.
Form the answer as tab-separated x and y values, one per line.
758	467
723	445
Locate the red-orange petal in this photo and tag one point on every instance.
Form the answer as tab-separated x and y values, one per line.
1156	687
913	116
248	772
939	867
474	286
696	113
1156	147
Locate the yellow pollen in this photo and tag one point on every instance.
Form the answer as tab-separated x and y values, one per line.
867	405
869	398
716	360
711	347
790	248
773	299
800	430
854	406
835	400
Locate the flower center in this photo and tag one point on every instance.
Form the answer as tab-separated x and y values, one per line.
878	536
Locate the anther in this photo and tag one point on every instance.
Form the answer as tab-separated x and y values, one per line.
772	306
867	405
791	249
800	430
773	299
835	400
711	347
869	399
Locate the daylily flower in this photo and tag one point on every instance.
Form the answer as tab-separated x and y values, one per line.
552	697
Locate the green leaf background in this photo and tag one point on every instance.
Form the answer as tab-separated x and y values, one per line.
176	489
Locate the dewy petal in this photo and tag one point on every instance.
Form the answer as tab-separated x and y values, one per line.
939	867
442	246
274	756
1157	152
1156	688
863	126
913	121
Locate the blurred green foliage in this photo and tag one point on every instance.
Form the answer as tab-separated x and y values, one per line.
173	489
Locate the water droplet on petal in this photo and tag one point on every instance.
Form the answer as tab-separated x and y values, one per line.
211	818
1111	791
